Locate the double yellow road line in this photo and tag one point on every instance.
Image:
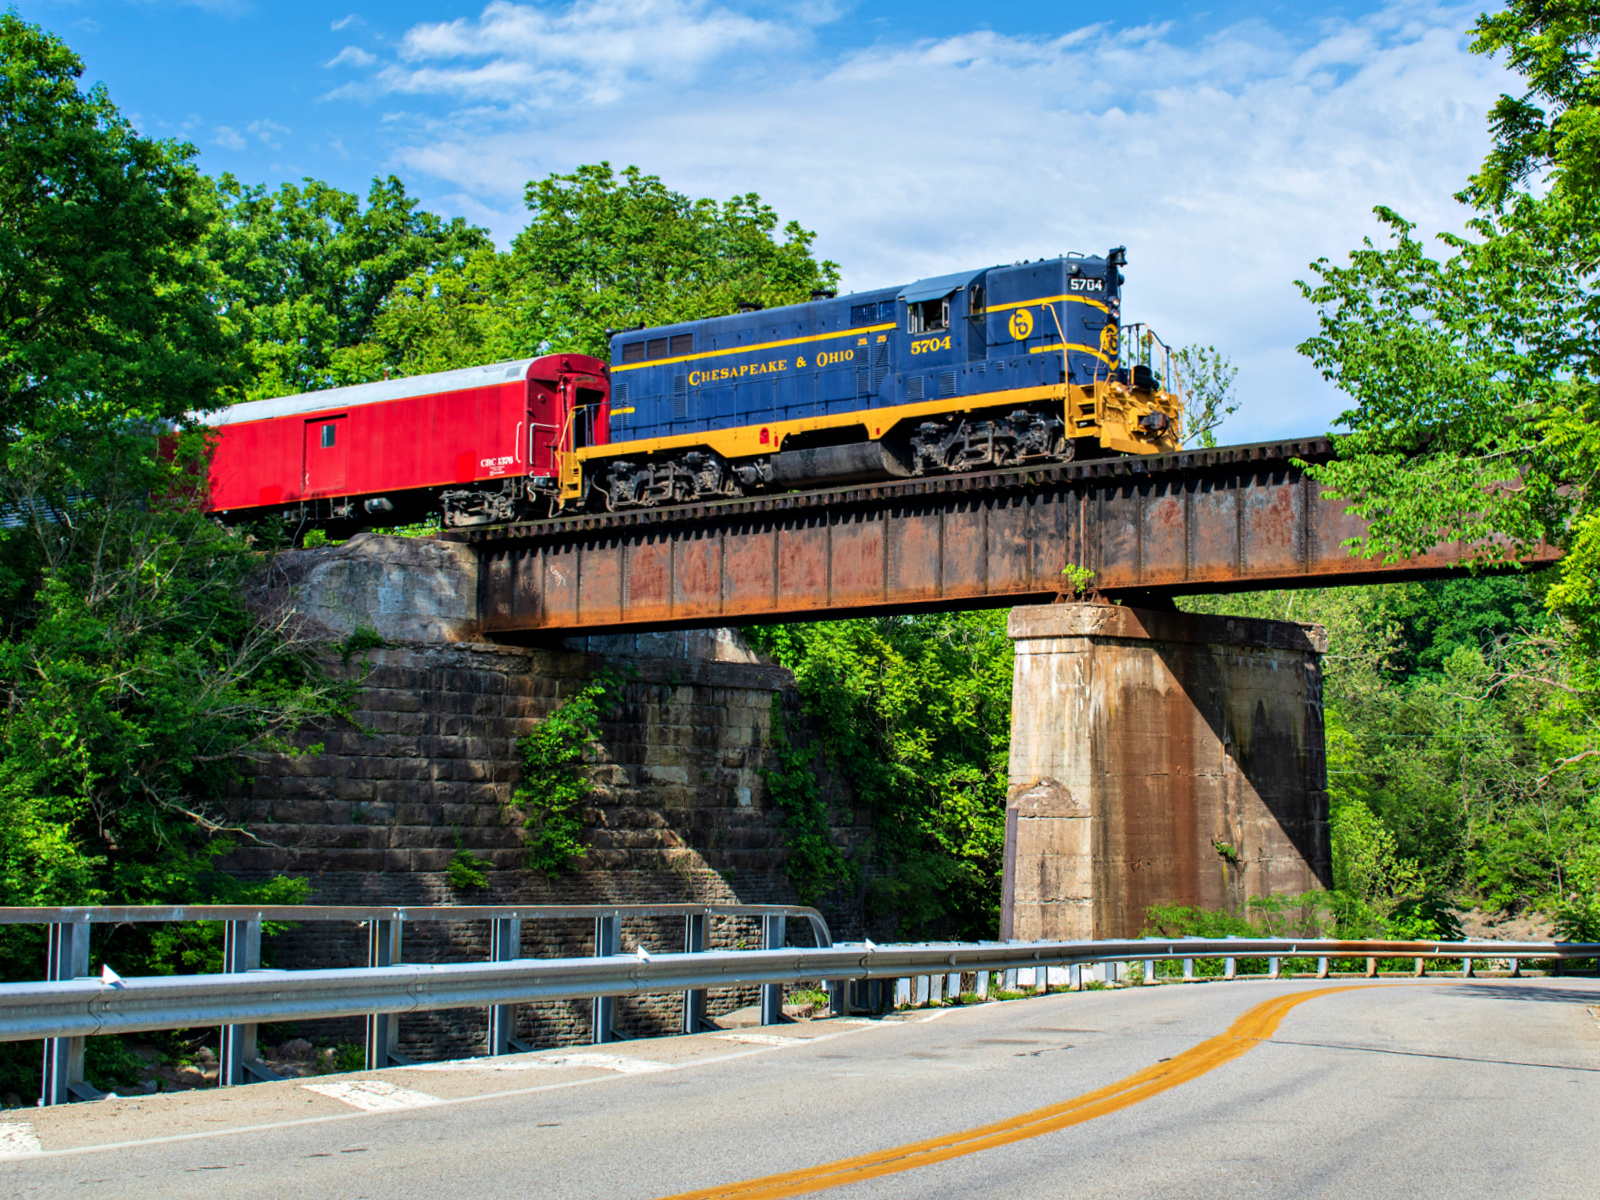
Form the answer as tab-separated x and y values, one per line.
1252	1028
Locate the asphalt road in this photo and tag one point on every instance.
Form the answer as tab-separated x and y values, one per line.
1488	1088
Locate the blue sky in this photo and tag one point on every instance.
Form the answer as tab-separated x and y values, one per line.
1226	144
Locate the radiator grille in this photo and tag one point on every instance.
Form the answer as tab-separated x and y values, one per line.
947	383
633	352
880	366
915	387
863	381
680	397
658	348
682	343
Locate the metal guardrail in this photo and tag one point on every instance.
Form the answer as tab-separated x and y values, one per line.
66	1010
67	962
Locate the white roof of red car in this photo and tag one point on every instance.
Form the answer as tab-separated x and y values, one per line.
369	393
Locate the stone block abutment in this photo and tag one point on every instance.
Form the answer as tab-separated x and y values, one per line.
426	768
1159	758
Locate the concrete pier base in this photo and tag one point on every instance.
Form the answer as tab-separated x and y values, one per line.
1159	758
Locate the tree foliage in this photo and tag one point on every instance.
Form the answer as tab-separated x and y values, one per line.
1463	749
106	296
915	713
555	784
134	679
306	271
1206	377
1475	375
601	251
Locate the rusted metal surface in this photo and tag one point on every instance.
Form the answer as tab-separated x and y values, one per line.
1226	519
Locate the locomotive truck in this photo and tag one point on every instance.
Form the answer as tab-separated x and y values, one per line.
1005	366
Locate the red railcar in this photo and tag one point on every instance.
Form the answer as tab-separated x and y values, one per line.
480	444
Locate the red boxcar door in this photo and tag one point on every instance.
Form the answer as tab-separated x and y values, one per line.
327	455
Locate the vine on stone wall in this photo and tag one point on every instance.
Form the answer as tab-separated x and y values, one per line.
555	787
815	865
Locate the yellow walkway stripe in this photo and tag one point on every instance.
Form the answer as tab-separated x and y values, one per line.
1252	1028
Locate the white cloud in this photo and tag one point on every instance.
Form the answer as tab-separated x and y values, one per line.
354	56
346	22
532	56
1225	165
267	133
229	138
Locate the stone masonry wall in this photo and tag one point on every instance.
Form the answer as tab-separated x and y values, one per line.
427	765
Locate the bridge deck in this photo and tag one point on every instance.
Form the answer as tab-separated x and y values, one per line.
1227	519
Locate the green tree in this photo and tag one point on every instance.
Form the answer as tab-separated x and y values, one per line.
604	251
915	713
1205	377
134	678
307	269
106	297
1475	375
1458	721
601	251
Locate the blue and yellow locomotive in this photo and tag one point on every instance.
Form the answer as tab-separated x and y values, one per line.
999	367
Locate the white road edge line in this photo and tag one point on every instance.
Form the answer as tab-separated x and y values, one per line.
598	1062
351	1116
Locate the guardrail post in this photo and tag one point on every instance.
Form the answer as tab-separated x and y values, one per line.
981	985
383	1029
774	931
1516	967
607	942
1274	968
952	986
1188	970
1149	970
1418	967
694	1000
240	1062
1075	977
66	958
505	945
902	992
1466	968
1041	979
838	996
1322	968
1372	968
1008	981
919	993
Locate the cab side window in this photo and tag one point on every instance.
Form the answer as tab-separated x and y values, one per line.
928	315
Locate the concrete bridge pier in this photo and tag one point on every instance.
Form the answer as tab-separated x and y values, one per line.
1159	758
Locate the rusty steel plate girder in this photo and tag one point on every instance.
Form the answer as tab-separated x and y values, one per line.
1228	519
